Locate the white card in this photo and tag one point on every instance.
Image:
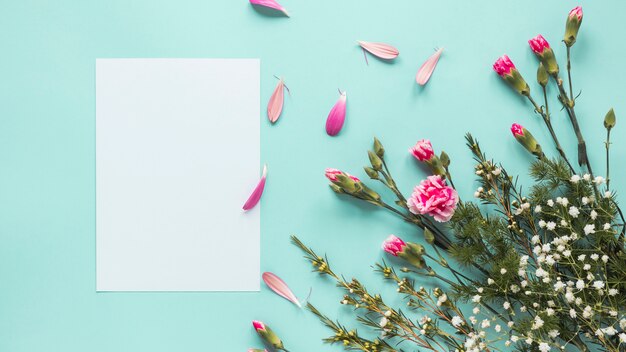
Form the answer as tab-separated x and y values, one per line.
177	155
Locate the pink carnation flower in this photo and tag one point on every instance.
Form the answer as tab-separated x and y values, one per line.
423	150
503	66
517	129
433	197
393	245
538	44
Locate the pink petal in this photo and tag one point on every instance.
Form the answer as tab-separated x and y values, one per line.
277	285
381	50
275	105
337	116
258	191
272	4
423	75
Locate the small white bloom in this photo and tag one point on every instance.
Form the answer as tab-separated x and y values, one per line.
593	214
567	253
580	284
538	209
594	257
586	267
497	328
572	313
550	203
457	321
574	179
573	211
506	305
613	292
542	223
605	258
383	322
537	323
503	271
476	310
622	338
587	177
553	333
582	257
551	225
498	171
544	347
535	239
608	194
476	299
584	200
589	229
606	226
480	290
485	323
490	281
599	180
598	285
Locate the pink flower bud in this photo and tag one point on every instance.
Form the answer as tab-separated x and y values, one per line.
423	150
503	66
331	174
539	44
393	245
576	12
517	129
258	325
574	20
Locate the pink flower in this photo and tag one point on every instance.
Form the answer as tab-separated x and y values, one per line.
331	174
258	325
393	245
423	150
576	12
539	44
503	66
517	129
433	197
337	116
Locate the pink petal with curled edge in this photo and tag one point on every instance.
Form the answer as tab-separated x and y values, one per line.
277	285
272	4
337	116
381	50
258	191
424	73
275	105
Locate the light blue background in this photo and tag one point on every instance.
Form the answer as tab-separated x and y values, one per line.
47	224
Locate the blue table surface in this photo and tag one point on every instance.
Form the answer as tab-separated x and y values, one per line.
47	180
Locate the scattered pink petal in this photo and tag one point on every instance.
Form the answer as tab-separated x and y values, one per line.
424	73
258	191
275	105
337	116
272	4
277	285
381	50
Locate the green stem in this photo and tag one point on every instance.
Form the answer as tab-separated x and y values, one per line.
569	75
608	168
546	119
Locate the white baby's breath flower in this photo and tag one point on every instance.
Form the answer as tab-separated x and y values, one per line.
537	323
490	281
598	285
589	229
538	209
584	200
551	225
608	194
550	203
606	226
506	305
587	267
587	177
503	271
485	323
573	211
613	292
553	333
542	223
580	284
457	321
605	258
594	257
599	180
572	313
574	179
593	214
567	253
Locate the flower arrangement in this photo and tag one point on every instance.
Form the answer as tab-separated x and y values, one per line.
536	270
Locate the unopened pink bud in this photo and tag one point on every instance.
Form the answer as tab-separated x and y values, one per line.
393	245
258	325
517	129
423	150
577	12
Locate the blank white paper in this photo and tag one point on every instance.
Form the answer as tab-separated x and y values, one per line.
177	155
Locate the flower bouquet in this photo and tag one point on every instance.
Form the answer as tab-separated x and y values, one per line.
535	270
